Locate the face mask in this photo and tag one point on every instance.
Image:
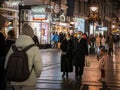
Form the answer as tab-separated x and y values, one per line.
78	36
68	38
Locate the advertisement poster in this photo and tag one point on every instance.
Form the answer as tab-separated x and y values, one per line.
79	24
44	33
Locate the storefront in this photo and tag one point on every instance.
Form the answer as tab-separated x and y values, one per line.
92	29
98	29
60	27
38	17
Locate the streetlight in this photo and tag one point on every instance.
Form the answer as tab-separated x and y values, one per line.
93	14
94	8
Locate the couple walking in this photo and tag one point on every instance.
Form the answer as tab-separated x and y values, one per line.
74	50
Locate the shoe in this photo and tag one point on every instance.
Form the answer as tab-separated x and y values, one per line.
76	77
63	76
99	79
102	79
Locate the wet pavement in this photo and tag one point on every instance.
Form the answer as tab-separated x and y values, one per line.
51	79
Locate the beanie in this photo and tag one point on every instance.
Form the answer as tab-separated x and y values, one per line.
2	21
27	30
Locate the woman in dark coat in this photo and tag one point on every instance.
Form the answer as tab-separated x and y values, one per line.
3	24
81	51
66	57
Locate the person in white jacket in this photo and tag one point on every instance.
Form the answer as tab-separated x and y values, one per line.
34	58
103	63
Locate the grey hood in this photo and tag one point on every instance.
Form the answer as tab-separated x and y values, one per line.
23	41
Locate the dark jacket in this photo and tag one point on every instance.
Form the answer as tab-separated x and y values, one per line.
81	51
66	57
2	45
9	43
2	55
35	39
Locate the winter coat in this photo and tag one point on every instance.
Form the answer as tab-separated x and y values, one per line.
8	43
103	62
81	51
2	45
34	58
56	38
2	55
110	42
66	57
103	41
97	41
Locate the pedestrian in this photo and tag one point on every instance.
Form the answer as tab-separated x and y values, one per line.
97	43
3	24
34	58
103	41
56	40
80	53
102	63
10	40
53	40
36	41
61	35
75	43
66	57
110	44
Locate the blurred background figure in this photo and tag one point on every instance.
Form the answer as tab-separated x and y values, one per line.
55	39
97	43
35	39
10	40
110	44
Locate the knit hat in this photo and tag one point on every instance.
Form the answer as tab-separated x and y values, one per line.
27	30
2	20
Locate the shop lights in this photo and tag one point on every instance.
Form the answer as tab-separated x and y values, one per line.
72	22
63	24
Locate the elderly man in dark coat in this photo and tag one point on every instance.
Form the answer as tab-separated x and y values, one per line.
81	51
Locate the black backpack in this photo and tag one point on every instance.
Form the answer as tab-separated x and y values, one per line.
17	69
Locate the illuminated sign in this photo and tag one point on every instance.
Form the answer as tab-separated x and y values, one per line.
40	17
11	4
103	28
38	9
39	12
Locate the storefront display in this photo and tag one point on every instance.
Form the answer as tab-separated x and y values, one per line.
41	30
39	19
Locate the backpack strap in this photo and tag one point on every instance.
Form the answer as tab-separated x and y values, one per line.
25	49
28	47
14	48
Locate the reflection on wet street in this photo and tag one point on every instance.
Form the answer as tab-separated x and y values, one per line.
50	78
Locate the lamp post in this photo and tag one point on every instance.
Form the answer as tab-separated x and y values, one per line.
93	13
